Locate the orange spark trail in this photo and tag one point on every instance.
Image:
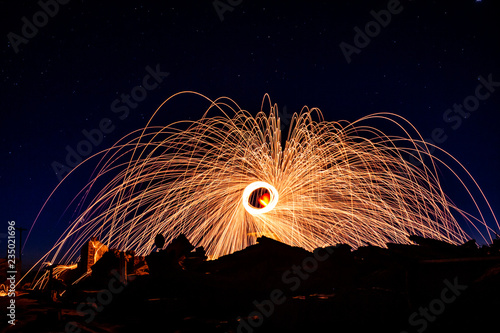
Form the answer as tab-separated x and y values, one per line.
329	182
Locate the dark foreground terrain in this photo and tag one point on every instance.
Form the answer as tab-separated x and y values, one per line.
271	287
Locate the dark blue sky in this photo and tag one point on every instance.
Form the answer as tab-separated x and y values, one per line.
63	79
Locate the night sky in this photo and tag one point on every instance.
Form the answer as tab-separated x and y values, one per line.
67	77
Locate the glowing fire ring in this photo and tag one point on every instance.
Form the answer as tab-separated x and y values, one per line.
273	200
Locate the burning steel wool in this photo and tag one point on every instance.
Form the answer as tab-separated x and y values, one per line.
231	176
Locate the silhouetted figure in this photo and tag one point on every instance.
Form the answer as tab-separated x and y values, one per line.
159	241
168	261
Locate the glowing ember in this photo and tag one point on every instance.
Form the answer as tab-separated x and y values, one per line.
264	200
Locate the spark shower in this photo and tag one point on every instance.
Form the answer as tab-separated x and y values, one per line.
230	177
